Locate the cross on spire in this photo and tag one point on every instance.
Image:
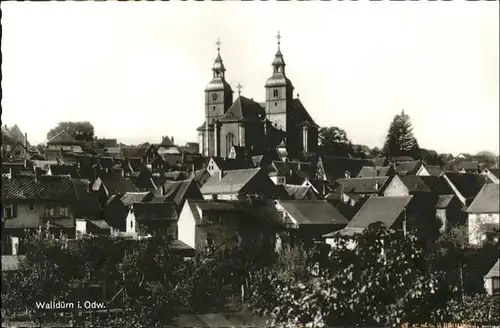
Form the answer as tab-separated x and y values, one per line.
218	43
279	38
239	87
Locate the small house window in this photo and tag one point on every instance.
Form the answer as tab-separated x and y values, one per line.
32	207
131	224
213	108
49	210
8	211
63	211
210	239
275	104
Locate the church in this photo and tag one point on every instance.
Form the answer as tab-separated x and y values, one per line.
281	122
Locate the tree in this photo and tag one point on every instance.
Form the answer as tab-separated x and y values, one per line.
334	141
82	130
400	140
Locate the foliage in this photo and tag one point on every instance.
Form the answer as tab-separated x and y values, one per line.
384	280
334	141
400	140
83	130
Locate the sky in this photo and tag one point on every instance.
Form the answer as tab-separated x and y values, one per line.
137	70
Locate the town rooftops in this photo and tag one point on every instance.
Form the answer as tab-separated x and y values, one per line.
312	212
232	181
43	188
468	184
299	192
487	200
361	185
336	167
410	167
384	209
374	171
414	183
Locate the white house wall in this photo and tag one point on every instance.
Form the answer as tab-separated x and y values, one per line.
396	187
476	221
186	226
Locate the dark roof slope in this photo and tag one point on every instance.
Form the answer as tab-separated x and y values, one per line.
299	192
437	185
70	170
374	171
384	209
88	204
361	185
487	200
495	270
414	183
336	167
176	190
43	188
468	184
408	167
155	211
313	212
232	181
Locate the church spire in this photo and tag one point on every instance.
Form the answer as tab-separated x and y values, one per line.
279	62
218	67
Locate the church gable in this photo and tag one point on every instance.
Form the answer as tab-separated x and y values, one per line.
244	109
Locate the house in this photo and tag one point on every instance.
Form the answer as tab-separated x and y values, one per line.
469	167
491	279
414	184
68	170
375	171
410	168
465	185
332	168
217	164
383	186
238	184
306	221
492	174
449	212
251	224
428	170
389	210
320	187
300	192
143	179
201	176
64	141
29	202
178	191
88	211
154	219
14	142
483	212
118	212
109	183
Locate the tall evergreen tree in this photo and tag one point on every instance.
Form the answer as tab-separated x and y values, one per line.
400	140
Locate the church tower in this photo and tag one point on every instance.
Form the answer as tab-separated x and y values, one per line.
279	92
218	99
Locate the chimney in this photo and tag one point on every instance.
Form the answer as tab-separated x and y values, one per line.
173	140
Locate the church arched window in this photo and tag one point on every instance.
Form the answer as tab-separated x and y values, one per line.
275	93
229	142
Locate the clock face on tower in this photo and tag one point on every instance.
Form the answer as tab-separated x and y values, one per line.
214	96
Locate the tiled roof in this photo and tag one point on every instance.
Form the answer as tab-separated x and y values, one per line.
88	204
414	183
232	181
469	165
16	133
487	200
155	211
244	108
408	167
166	141
130	198
115	185
230	164
467	184
313	212
176	190
384	209
434	170
374	171
495	172
494	272
201	176
101	224
70	170
361	185
336	167
44	188
299	113
63	137
299	192
437	185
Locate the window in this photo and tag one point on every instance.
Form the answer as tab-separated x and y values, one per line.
275	104
49	210
8	211
275	93
229	142
213	108
495	285
210	239
131	224
63	211
32	207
